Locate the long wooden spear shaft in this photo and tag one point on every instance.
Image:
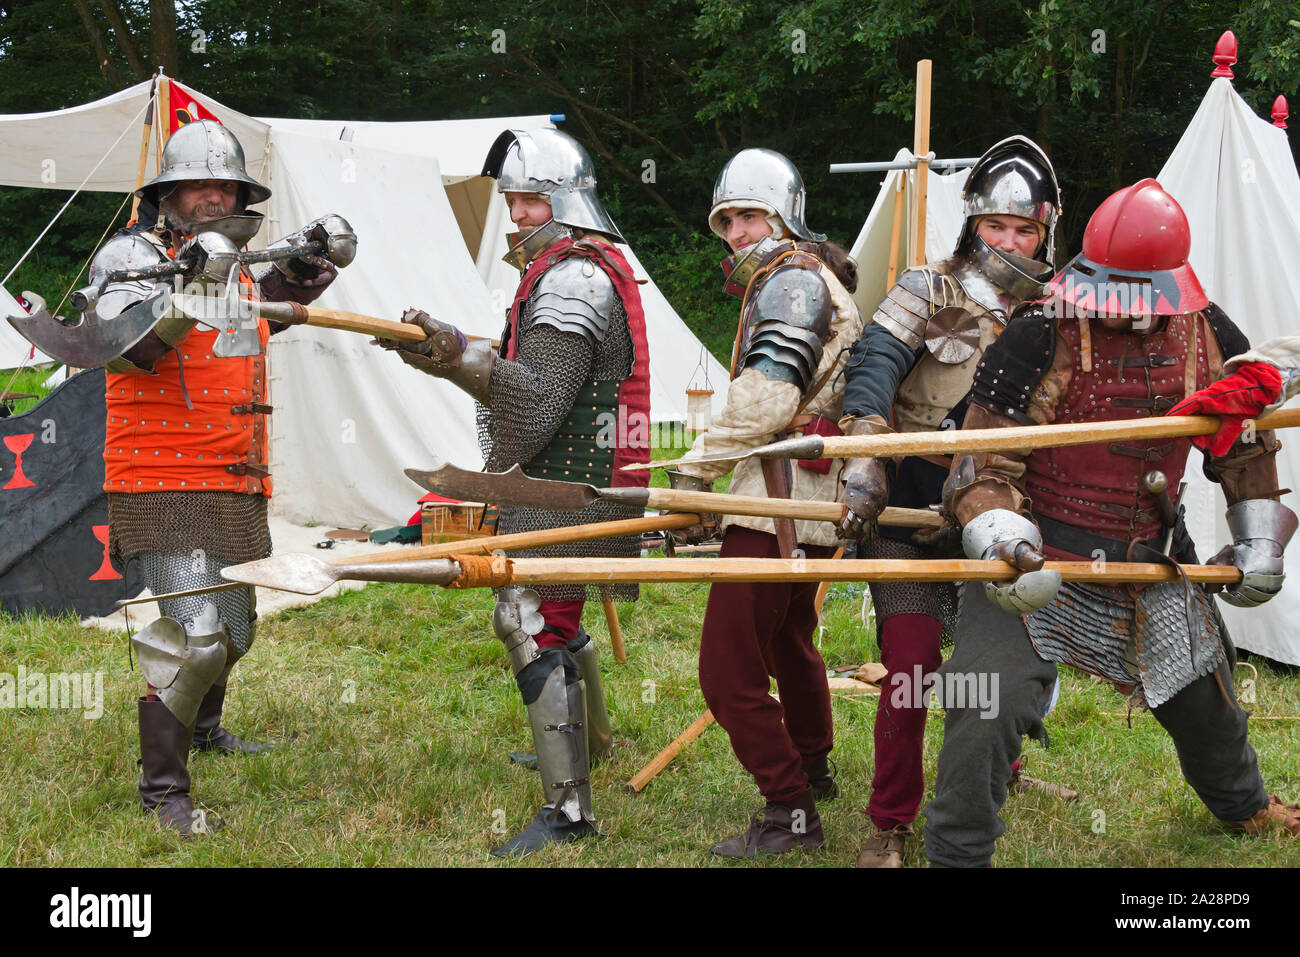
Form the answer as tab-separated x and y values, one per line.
956	441
486	545
308	575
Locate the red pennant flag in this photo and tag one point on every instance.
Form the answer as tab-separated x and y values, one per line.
185	108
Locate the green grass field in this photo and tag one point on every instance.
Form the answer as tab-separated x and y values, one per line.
404	709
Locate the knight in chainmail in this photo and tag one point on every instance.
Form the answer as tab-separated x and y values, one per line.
910	372
566	397
1115	339
185	449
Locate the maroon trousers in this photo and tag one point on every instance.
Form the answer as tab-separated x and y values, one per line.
909	650
754	631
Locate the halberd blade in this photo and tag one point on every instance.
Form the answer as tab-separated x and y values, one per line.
88	341
511	487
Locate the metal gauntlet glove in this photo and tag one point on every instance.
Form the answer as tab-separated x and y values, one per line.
1001	534
708	526
866	485
1260	530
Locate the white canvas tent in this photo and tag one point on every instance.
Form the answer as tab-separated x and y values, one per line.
943	218
349	417
1234	175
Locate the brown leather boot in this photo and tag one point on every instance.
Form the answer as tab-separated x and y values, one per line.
1275	813
776	829
885	848
821	780
164	778
210	736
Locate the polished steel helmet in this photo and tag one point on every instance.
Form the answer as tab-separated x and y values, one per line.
555	165
203	149
1013	178
763	179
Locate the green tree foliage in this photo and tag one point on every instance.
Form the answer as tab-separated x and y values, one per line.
662	92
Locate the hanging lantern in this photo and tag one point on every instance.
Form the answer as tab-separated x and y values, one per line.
699	398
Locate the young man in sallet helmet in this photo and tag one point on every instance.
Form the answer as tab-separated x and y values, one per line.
796	326
911	371
572	370
1126	333
185	449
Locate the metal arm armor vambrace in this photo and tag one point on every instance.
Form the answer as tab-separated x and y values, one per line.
575	296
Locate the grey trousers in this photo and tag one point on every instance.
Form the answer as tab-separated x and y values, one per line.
981	740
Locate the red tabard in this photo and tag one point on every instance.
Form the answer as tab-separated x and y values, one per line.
154	443
1098	487
634	394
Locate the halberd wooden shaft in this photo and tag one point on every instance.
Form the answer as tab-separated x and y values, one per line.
548	571
488	544
957	441
308	575
760	506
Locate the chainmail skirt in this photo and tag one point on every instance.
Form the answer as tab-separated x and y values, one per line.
937	600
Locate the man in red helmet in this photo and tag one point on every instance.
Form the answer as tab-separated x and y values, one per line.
1126	332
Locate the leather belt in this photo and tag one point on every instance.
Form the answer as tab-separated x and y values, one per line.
1145	362
1153	454
1159	404
1077	541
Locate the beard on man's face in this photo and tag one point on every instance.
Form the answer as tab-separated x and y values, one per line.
197	216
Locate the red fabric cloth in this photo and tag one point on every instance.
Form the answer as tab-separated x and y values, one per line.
754	631
563	618
1237	398
909	649
820	426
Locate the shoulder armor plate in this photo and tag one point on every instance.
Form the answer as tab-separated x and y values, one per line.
129	249
575	295
1232	341
795	296
905	311
1014	365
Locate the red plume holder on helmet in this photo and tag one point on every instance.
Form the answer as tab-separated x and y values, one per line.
1134	259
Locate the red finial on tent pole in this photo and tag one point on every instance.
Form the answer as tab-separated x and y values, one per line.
1280	112
1225	54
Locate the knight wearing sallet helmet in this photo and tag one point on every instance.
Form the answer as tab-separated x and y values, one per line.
566	396
797	323
911	371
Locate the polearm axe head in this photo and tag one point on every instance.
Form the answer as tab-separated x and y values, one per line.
511	487
88	341
234	318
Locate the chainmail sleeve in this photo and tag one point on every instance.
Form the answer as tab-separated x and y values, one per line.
530	396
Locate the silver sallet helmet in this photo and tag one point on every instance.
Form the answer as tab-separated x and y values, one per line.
203	149
557	166
763	179
1014	177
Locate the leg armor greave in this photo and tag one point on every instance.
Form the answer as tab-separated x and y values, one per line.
181	667
555	697
600	736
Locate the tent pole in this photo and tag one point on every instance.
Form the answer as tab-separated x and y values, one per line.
165	102
896	230
921	147
144	147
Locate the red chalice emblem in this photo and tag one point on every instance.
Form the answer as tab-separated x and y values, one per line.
106	570
17	444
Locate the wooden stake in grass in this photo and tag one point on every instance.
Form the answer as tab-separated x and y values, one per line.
662	759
